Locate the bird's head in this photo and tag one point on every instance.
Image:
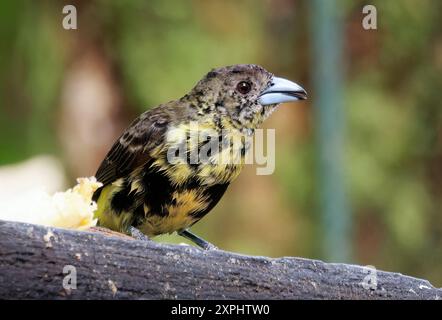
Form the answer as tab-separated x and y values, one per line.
247	94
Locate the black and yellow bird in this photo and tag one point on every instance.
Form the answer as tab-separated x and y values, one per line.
145	193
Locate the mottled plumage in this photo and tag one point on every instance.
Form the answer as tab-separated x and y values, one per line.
142	189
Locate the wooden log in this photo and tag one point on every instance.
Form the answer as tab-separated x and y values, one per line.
32	260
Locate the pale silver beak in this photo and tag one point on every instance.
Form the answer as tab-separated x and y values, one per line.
282	90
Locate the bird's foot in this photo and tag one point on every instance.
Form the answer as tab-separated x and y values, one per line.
137	234
200	242
208	246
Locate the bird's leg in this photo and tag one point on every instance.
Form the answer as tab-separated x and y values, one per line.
137	234
197	240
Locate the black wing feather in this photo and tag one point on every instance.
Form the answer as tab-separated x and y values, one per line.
133	147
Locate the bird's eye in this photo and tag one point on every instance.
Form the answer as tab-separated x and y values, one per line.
244	87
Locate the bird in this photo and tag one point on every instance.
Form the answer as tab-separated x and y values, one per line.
152	185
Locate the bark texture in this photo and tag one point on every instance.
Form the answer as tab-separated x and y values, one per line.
33	260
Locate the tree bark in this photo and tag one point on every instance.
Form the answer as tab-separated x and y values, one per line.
32	260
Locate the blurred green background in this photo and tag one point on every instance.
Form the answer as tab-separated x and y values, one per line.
70	93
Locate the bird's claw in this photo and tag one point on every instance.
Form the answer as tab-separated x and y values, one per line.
209	247
137	234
